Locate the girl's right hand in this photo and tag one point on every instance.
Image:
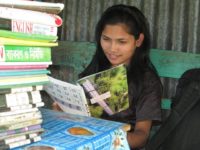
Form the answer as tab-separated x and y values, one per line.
56	107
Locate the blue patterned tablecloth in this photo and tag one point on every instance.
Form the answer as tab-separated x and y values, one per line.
99	134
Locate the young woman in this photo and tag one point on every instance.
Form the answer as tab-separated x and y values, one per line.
122	37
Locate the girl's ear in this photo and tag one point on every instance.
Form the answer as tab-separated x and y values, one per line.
140	40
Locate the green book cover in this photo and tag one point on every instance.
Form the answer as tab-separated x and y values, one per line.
106	91
24	54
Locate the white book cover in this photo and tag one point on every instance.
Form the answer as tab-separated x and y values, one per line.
33	28
34	5
20	118
19	107
19	138
99	95
18	112
19	99
20	143
30	16
70	98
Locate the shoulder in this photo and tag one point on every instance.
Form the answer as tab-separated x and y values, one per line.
152	83
151	77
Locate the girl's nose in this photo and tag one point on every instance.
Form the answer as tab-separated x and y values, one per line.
113	47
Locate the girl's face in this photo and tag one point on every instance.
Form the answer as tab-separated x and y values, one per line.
118	45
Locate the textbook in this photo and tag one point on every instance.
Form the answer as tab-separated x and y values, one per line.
31	16
20	125
98	95
36	131
22	98
4	73
27	27
20	118
65	131
19	81
13	53
21	89
18	112
20	107
20	141
53	8
24	65
22	42
14	138
20	130
27	37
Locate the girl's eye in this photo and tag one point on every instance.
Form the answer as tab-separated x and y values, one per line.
105	39
122	42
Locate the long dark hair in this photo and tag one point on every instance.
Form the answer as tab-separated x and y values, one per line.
136	23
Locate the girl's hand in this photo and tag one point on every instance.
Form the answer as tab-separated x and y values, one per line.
56	107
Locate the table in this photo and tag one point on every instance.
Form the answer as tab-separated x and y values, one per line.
72	132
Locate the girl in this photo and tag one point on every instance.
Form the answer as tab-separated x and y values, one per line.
122	37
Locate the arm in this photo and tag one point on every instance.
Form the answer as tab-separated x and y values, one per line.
138	137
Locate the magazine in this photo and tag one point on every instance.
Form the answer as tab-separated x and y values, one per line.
99	94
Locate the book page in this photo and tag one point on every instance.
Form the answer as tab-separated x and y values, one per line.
106	91
70	98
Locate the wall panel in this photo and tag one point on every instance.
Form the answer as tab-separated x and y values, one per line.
174	24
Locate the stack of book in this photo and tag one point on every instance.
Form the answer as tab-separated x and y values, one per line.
27	34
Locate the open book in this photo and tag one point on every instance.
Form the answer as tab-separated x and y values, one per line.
102	93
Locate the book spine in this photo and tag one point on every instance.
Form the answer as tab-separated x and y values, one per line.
27	37
33	28
20	124
18	112
23	72
34	97
20	141
17	81
47	7
11	140
19	99
25	54
16	99
21	130
27	27
21	89
32	16
19	107
23	64
33	83
36	131
22	42
21	67
20	118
